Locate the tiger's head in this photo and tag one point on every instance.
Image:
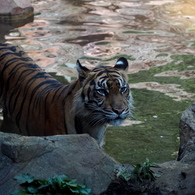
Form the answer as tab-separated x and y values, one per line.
104	96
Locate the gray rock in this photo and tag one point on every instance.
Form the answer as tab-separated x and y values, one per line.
15	10
176	178
8	6
77	156
187	136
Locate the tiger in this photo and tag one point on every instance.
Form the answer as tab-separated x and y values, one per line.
40	105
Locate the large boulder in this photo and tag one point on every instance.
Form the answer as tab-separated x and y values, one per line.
15	9
176	178
77	156
187	136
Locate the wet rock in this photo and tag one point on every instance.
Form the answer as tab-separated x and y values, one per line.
77	156
15	9
187	136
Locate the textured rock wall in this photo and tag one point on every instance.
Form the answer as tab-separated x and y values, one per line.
77	156
187	136
176	178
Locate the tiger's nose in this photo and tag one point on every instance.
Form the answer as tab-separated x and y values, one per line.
118	110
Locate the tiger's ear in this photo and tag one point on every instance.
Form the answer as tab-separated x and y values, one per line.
82	70
122	64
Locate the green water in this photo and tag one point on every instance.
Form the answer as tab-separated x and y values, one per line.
179	62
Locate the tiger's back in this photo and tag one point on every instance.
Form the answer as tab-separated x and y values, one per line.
41	105
30	96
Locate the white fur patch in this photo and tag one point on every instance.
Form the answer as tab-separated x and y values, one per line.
120	63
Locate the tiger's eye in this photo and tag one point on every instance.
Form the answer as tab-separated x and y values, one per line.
123	89
101	91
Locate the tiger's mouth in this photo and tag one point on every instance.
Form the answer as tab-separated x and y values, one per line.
116	119
116	122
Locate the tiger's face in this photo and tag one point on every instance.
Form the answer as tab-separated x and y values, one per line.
105	93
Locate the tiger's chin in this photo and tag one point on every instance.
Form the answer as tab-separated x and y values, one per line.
115	122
